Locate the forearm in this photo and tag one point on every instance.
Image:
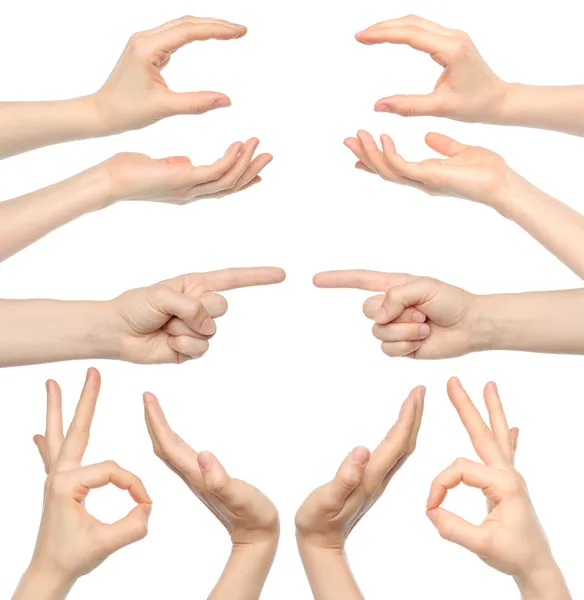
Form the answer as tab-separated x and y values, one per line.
25	126
26	219
551	322
558	108
547	584
552	223
329	574
246	572
36	586
43	331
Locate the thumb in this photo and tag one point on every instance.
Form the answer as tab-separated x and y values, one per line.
216	478
197	103
132	528
349	476
400	297
455	529
410	106
188	309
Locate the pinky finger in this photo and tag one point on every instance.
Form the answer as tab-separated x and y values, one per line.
41	444
188	346
363	167
400	349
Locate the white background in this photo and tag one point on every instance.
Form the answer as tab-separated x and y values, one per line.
294	379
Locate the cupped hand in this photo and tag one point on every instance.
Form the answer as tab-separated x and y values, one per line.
418	317
330	513
248	515
175	180
468	172
468	90
510	539
71	542
136	94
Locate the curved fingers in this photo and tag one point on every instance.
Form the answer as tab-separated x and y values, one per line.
175	37
470	473
102	474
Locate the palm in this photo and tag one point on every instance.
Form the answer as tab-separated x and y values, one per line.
472	173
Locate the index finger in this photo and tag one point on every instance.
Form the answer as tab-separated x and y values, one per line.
411	20
424	40
194	20
173	38
482	437
77	436
231	279
372	281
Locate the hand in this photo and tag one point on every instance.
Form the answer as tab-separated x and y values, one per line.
330	513
136	94
174	180
250	517
440	319
71	542
468	90
469	172
510	539
173	321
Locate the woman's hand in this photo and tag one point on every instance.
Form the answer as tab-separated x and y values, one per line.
175	180
417	317
467	90
330	513
71	543
510	539
247	514
136	94
173	321
468	172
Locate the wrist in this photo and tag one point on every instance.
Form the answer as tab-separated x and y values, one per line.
94	331
314	549
43	584
543	583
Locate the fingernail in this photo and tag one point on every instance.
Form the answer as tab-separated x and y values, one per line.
222	103
383	108
208	327
419	317
205	460
424	331
382	316
360	456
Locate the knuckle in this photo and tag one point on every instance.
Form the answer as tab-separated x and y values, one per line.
138	44
460	463
59	485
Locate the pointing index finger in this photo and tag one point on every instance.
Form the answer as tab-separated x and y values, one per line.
231	279
372	281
